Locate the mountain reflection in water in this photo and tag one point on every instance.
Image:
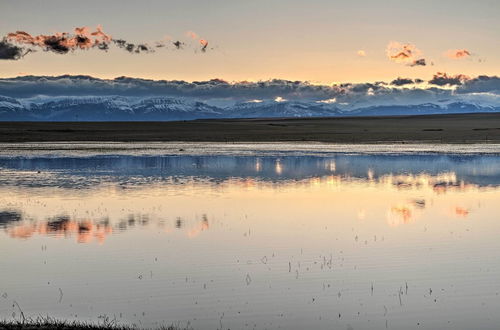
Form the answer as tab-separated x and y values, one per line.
82	172
425	174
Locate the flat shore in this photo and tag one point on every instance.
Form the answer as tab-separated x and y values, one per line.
461	128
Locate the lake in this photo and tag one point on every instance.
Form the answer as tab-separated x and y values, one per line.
252	236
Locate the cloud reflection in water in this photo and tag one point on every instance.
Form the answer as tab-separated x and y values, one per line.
424	175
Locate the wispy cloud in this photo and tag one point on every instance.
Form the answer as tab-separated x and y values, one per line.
133	48
204	45
16	45
195	36
405	53
457	54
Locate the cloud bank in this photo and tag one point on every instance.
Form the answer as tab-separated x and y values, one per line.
401	91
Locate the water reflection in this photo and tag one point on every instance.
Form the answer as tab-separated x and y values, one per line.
62	226
15	225
405	170
427	176
8	217
254	242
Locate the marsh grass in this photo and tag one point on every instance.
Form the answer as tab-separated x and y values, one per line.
45	323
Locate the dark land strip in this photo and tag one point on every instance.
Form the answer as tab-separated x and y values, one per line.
460	128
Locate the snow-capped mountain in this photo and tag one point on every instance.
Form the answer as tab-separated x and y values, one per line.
105	109
164	108
423	109
120	108
272	109
10	105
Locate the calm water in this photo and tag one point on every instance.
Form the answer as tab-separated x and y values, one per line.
252	237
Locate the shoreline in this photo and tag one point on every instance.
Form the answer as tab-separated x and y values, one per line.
78	149
481	128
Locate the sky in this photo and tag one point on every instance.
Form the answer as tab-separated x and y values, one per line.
319	41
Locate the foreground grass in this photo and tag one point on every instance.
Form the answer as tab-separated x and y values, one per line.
45	323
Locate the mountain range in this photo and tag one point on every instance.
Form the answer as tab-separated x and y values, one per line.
119	108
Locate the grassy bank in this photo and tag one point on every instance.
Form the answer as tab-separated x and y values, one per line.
462	128
46	323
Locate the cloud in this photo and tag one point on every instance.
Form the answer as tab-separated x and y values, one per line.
9	51
347	96
407	54
457	54
402	81
204	45
419	62
402	53
361	53
443	79
192	35
195	36
328	101
29	86
481	84
64	42
133	48
178	44
82	38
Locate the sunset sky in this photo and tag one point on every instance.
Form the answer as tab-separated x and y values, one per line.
318	41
